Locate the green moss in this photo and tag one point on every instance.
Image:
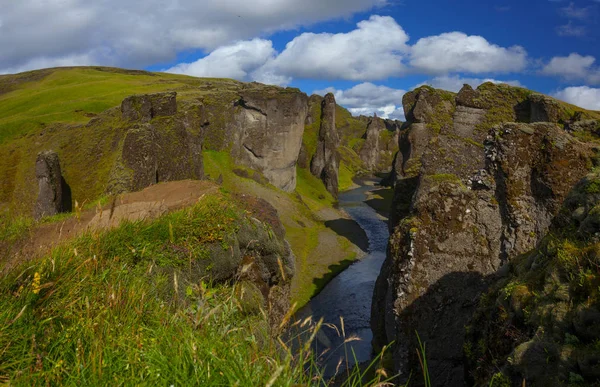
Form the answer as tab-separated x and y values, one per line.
467	140
442	117
593	187
500	100
500	380
444	177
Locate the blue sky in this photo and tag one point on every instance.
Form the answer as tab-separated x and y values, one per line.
368	52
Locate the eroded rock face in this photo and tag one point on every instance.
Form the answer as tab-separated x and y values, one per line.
326	161
160	150
267	135
145	107
538	322
381	142
54	194
470	193
544	109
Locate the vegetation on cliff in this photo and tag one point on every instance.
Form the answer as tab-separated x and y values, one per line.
480	177
540	322
157	302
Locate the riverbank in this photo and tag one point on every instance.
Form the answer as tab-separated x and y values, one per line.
344	304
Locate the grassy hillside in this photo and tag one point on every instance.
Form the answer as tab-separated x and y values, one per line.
31	101
127	307
302	213
50	109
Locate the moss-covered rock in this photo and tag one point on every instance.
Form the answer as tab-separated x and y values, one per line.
477	183
548	337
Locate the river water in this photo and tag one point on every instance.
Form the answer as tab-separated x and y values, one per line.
349	294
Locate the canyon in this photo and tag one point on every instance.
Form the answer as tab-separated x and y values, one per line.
492	213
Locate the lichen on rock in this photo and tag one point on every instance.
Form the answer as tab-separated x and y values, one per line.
476	184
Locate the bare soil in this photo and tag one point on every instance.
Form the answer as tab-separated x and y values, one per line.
149	203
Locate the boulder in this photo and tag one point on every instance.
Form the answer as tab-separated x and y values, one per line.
159	151
544	109
54	194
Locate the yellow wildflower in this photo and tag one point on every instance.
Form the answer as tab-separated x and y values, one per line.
36	283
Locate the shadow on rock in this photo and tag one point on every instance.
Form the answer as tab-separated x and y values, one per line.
440	316
382	201
67	196
350	230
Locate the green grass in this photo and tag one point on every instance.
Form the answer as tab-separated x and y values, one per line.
13	228
312	190
72	95
122	307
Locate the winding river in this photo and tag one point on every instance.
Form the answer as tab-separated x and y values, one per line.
349	294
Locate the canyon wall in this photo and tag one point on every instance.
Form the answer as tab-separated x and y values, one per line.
478	179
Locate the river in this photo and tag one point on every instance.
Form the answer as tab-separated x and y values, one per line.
349	294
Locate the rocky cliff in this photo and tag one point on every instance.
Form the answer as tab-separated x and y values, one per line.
154	137
539	322
261	127
478	180
364	145
325	163
381	143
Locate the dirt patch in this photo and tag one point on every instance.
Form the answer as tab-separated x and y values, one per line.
150	203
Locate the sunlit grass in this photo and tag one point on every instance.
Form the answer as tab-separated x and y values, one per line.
123	307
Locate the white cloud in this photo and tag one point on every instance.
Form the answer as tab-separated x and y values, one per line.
372	51
573	67
44	62
233	61
583	96
571	30
458	52
455	83
375	50
137	33
367	99
574	12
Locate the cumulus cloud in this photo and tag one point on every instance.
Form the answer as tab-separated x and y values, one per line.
584	96
455	83
377	49
138	33
573	67
458	52
233	61
374	50
367	99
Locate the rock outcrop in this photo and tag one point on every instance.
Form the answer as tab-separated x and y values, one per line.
260	126
325	162
268	127
470	193
54	195
539	322
381	143
145	107
159	147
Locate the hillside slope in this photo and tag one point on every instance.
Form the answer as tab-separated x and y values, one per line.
247	136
